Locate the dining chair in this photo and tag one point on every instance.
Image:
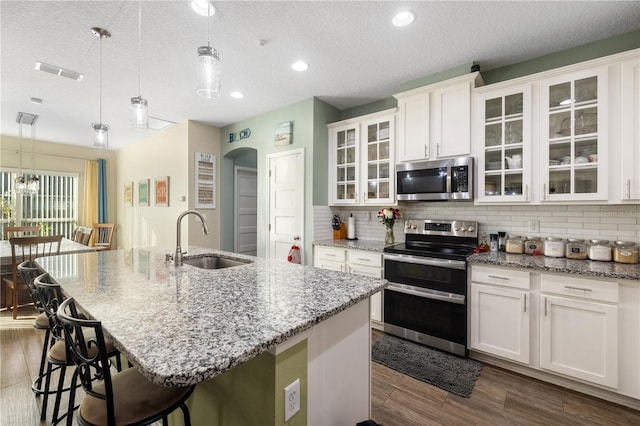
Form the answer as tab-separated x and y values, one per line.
23	249
82	234
126	397
20	231
103	235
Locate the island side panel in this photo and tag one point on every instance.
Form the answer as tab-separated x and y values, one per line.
339	369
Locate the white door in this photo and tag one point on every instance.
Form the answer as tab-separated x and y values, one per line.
246	210
286	202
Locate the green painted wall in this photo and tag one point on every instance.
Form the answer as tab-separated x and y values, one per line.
323	113
250	394
262	139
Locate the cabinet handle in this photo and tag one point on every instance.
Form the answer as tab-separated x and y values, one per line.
545	306
525	303
330	254
364	195
628	189
426	151
357	197
499	278
544	191
437	150
526	190
364	259
341	268
577	288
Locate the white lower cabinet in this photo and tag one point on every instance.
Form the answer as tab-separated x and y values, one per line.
579	328
500	312
353	261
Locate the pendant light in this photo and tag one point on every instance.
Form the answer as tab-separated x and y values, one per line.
24	184
101	131
139	105
208	66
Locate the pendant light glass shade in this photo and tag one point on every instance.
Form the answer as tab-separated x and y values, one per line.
33	185
20	185
139	113
100	135
209	70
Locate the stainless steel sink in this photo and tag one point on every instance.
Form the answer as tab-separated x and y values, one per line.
214	261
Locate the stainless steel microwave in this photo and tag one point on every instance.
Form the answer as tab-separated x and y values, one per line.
437	180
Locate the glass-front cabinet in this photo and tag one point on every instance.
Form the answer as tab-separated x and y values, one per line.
362	161
573	136
505	156
346	150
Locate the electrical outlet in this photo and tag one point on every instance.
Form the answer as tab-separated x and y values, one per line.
534	225
291	399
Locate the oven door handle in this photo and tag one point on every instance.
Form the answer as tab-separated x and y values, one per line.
427	294
429	261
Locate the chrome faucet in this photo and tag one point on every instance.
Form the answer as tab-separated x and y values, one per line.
177	258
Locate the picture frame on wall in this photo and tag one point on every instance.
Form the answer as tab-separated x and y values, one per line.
128	194
205	181
143	192
162	191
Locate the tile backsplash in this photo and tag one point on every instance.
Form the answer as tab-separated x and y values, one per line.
608	222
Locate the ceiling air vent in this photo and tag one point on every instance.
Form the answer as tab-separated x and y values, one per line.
53	69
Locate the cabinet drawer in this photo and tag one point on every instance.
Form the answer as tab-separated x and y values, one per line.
499	276
365	258
331	254
604	291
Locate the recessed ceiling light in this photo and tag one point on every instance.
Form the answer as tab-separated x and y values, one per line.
204	7
300	66
403	19
236	95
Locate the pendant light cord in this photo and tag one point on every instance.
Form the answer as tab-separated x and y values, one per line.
139	47
101	37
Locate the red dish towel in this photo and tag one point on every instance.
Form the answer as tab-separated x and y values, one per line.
294	254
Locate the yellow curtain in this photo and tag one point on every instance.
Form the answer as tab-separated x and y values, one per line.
89	212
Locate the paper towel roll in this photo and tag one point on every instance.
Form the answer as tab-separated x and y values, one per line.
351	228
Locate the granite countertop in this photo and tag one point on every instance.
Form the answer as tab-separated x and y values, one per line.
592	268
183	325
368	245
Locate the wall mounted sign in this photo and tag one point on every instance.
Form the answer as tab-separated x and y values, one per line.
283	133
128	194
143	192
205	181
242	134
162	191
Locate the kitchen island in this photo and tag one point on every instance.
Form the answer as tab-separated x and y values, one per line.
241	333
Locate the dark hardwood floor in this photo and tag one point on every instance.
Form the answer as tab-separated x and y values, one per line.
499	397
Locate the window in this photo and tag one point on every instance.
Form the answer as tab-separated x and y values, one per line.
54	208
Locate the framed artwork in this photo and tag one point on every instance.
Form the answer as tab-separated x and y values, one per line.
162	191
143	192
128	194
283	133
205	181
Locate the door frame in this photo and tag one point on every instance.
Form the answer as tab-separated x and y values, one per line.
301	182
236	169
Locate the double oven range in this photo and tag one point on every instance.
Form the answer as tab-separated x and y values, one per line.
426	300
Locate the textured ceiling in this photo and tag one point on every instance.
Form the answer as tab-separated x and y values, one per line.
356	56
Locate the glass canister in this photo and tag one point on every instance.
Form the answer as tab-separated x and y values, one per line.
599	250
575	249
533	245
625	252
514	245
554	247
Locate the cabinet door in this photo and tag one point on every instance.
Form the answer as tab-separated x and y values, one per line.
344	160
413	128
573	136
451	125
579	338
500	321
378	172
504	153
630	185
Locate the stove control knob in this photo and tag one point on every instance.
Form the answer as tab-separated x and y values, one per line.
457	229
471	229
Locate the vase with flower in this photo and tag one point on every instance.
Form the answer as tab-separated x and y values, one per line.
388	216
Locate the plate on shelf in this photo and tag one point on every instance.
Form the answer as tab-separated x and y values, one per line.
494	165
554	162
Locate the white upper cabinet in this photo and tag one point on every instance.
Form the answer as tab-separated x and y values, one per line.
574	135
435	121
362	160
504	152
629	188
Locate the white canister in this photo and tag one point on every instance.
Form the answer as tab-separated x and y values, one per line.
599	250
554	247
